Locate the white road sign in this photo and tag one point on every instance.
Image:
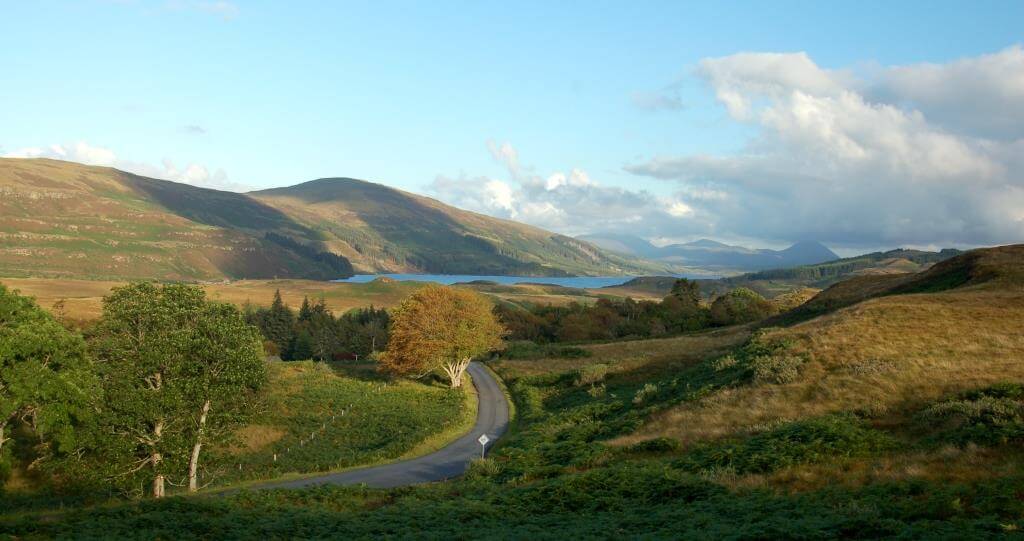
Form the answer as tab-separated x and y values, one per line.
483	439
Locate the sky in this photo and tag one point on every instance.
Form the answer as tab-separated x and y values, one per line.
863	125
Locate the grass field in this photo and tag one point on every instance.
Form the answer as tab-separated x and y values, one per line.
319	418
82	299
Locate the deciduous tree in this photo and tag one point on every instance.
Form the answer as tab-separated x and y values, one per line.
45	376
440	328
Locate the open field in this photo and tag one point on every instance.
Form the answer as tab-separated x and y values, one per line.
83	298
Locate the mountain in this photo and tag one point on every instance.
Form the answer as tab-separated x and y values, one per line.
63	219
712	255
773	282
383	229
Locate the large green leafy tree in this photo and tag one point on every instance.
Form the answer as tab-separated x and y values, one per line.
174	367
223	372
45	376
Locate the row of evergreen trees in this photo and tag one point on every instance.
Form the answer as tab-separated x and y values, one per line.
315	333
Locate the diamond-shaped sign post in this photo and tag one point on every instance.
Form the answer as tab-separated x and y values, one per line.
483	439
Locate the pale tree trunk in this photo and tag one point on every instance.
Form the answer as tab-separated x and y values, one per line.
193	462
455	370
154	459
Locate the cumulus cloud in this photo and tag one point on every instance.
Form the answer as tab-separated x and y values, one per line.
569	202
83	152
894	155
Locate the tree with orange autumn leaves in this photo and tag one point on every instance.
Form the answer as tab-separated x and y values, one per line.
440	329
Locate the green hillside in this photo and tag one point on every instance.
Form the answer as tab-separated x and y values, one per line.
383	229
66	220
61	219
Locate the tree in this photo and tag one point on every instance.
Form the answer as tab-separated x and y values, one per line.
741	305
45	376
440	328
226	369
279	323
168	359
687	291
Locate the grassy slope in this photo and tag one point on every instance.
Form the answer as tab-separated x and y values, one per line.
888	354
59	219
383	229
357	418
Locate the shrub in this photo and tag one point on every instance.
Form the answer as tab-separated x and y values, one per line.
741	305
591	374
647	391
814	440
776	368
656	445
989	416
524	349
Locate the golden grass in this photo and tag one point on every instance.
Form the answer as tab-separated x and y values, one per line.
253	438
83	298
637	357
881	356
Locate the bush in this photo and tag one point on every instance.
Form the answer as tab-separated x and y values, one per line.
656	445
741	305
776	368
814	440
591	374
761	360
990	416
646	392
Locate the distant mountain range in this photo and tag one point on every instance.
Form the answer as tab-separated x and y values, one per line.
63	219
712	255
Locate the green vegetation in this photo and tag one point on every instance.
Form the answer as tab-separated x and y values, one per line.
608	319
315	418
814	440
45	379
990	416
741	305
895	417
315	333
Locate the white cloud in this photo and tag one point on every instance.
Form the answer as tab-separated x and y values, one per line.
83	152
897	156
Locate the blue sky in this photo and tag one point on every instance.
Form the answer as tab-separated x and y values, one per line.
261	94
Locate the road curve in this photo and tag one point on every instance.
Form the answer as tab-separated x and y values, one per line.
449	462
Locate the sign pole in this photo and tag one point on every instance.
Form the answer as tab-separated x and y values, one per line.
483	439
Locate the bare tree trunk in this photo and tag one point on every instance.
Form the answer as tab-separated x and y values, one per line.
193	462
455	370
2	439
155	458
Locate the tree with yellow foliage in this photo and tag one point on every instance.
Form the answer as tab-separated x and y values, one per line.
440	328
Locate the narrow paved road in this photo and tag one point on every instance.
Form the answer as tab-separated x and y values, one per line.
451	461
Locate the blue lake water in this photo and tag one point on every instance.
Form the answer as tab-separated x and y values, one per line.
585	282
